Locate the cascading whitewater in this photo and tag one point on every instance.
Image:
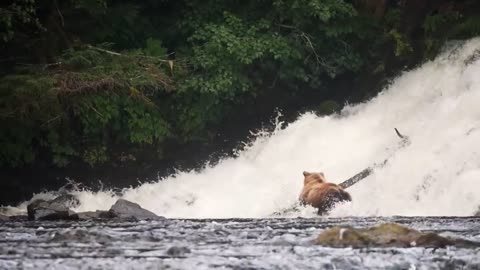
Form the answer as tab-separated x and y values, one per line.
437	105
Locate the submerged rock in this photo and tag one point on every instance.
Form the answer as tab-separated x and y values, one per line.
49	210
386	235
94	215
18	218
78	236
126	209
177	251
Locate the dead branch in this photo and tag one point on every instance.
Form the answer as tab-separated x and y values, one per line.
366	172
72	83
103	50
51	120
356	178
51	65
119	54
59	13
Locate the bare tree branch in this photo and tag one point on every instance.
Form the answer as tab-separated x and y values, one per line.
366	172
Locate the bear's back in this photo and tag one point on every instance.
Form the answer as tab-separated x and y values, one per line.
323	195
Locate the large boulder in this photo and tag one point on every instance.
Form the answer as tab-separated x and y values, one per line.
386	235
18	218
49	210
4	218
126	209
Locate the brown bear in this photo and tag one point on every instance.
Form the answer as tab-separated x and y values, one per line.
320	194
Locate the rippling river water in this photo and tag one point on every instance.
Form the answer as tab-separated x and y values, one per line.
436	105
223	243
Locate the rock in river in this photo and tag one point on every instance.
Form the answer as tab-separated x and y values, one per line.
49	210
70	201
126	209
94	215
386	235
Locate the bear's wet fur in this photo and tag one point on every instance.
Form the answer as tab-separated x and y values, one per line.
320	194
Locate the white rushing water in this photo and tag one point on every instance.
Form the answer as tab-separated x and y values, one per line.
437	105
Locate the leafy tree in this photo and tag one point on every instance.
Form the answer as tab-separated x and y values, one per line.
106	81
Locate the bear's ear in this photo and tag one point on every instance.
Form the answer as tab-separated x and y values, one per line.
306	173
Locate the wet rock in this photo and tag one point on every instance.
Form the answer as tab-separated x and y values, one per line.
386	235
19	218
126	209
5	211
4	218
477	214
94	215
178	251
49	210
68	200
32	206
77	235
13	213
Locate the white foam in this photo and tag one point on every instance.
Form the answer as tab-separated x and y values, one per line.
436	105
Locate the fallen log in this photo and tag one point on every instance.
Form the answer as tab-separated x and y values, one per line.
366	172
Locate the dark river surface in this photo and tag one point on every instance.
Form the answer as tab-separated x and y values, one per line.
223	243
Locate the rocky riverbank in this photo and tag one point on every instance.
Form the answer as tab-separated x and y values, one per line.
383	235
116	243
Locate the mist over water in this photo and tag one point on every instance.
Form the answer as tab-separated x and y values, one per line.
437	105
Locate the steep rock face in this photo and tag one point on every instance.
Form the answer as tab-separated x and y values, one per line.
386	235
126	209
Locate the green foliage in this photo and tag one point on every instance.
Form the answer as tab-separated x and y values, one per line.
226	50
234	53
445	25
94	80
435	22
154	48
16	14
95	155
93	99
436	29
194	112
328	107
92	6
145	123
467	27
322	32
25	111
402	45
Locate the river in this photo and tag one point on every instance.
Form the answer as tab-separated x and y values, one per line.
221	215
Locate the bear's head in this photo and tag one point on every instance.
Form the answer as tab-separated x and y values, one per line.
313	177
